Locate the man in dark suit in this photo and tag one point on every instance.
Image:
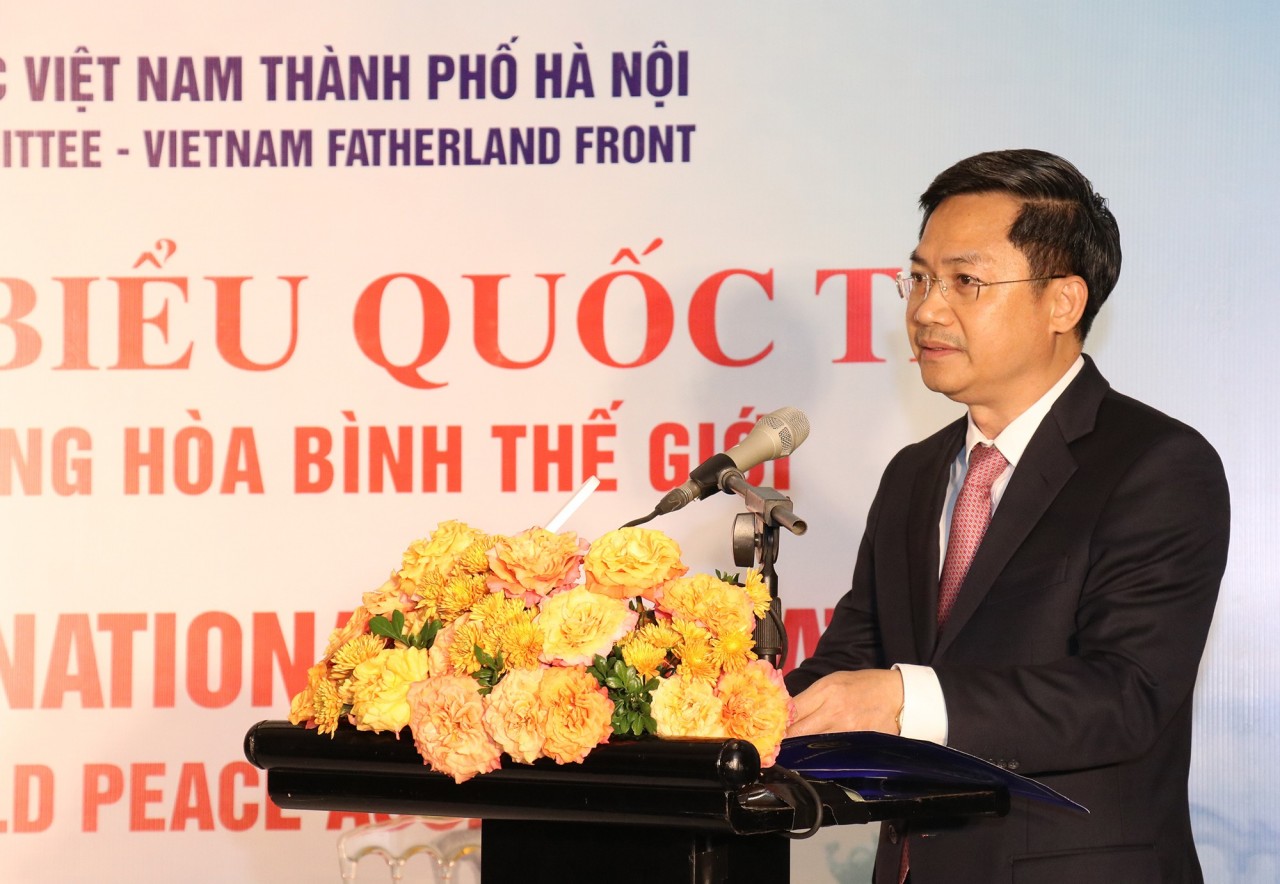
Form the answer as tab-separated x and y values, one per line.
1069	651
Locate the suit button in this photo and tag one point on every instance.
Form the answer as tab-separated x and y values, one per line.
893	834
1013	765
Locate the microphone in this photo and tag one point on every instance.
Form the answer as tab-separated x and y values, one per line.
775	435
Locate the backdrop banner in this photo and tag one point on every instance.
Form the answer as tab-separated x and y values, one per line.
283	286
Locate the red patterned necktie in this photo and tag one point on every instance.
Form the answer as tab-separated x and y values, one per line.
968	523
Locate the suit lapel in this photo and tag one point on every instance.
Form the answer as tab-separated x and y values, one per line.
928	494
1045	467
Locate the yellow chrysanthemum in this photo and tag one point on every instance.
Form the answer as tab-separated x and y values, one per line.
758	591
427	592
521	641
690	632
733	650
645	657
660	635
462	650
353	653
302	707
496	608
459	594
475	558
328	707
696	660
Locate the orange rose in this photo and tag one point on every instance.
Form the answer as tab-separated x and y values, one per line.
709	601
579	713
357	624
535	563
515	716
447	720
757	707
632	562
388	598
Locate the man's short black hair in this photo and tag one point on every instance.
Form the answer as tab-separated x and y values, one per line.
1064	225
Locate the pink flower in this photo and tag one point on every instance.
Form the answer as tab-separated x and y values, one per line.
447	720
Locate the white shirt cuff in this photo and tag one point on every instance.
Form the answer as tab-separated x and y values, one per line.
924	710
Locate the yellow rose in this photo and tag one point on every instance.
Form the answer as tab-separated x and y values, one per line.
380	685
535	563
632	562
439	551
579	713
757	707
686	707
578	624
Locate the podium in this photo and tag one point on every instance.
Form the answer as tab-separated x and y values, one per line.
645	810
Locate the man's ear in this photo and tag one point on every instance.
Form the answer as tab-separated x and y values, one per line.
1069	296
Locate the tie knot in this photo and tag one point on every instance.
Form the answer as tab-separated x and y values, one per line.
986	463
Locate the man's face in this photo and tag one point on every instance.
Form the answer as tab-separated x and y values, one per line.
998	352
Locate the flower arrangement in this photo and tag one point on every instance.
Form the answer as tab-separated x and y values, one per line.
540	645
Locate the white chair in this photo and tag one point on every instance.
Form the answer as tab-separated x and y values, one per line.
452	848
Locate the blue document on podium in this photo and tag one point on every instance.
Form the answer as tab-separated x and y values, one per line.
884	764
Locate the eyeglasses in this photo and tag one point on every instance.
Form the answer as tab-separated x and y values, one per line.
962	289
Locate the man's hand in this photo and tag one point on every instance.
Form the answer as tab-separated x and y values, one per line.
857	700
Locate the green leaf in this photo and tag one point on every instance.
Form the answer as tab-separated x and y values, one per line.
382	626
427	635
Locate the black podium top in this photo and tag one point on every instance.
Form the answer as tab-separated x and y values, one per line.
709	785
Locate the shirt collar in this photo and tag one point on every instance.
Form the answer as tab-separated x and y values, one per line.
1013	439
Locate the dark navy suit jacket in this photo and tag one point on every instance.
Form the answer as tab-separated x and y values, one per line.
1071	653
